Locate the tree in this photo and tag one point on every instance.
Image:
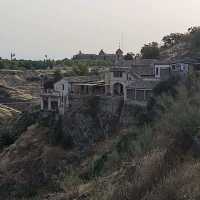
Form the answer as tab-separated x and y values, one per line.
81	70
172	39
193	29
195	40
128	56
1	65
58	75
150	51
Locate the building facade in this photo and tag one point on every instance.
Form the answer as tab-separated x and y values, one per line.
57	96
101	56
130	79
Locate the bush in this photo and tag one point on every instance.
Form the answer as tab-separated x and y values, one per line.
56	135
10	132
179	121
169	88
57	75
6	138
81	70
98	164
138	141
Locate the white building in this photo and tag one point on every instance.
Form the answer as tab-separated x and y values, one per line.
56	96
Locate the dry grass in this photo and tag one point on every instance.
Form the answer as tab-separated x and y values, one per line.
7	113
182	183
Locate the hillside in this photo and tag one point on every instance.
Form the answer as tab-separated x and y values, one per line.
7	113
175	46
20	84
103	149
155	156
18	90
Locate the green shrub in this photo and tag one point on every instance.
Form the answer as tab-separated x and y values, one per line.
169	88
25	190
57	75
150	51
81	70
98	164
11	131
139	140
56	135
6	137
195	40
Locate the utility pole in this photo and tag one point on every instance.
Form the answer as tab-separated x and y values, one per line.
122	40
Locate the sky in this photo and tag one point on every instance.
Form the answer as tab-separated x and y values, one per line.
60	28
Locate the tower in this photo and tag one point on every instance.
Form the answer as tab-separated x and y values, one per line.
119	56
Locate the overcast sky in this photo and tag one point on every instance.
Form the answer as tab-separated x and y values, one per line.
60	28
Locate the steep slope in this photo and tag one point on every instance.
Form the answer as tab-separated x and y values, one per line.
30	163
19	89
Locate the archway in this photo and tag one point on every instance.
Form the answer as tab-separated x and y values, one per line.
118	89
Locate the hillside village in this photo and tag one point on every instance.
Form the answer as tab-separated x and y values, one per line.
131	79
103	126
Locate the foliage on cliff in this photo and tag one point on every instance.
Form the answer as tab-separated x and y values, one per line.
149	159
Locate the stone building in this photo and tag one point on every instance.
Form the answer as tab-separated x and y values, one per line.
57	96
136	79
132	80
178	67
132	83
101	56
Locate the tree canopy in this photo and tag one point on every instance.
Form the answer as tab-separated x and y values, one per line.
150	51
195	38
128	56
172	39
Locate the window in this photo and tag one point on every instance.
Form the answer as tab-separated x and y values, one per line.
54	105
117	74
173	67
183	67
157	71
197	67
130	93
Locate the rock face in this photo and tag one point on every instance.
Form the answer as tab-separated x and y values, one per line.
30	163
